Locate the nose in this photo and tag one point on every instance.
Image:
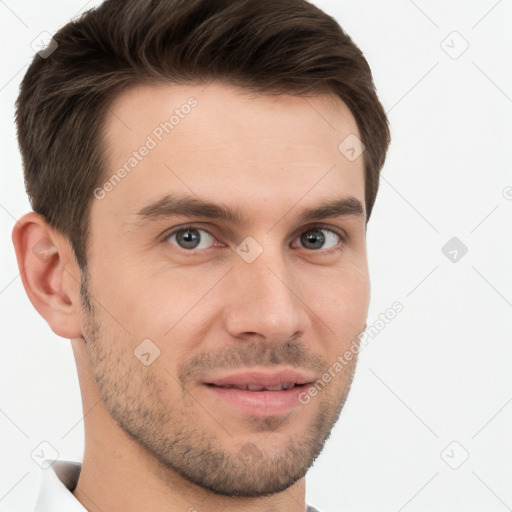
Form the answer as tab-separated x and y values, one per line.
265	302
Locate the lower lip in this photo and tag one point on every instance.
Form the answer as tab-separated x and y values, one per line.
260	403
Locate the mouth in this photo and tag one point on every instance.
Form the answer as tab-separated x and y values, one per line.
259	393
253	387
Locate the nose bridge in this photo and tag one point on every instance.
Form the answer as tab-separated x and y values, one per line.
263	299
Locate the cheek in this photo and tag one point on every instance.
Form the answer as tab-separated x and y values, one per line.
353	291
345	301
161	303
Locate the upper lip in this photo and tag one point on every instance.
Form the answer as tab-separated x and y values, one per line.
262	379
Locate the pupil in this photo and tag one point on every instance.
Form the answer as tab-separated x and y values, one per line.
189	238
316	236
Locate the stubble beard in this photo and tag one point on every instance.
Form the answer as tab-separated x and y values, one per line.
169	434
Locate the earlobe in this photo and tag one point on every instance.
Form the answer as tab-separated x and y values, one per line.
49	273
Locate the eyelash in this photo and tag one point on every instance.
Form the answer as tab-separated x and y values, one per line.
343	236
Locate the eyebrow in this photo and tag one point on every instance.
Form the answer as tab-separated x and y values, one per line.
187	206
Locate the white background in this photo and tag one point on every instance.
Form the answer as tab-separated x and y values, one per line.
440	371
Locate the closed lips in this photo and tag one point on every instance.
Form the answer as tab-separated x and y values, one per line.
258	392
255	387
260	381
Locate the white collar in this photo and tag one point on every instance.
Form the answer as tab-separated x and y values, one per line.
56	484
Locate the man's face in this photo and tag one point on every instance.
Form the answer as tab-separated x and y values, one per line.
185	310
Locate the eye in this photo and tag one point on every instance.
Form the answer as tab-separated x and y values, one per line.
322	239
317	238
190	237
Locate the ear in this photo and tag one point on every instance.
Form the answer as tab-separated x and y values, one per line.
50	273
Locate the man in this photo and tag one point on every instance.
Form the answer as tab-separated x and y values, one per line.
201	174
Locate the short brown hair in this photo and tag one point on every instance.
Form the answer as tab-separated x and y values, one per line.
262	46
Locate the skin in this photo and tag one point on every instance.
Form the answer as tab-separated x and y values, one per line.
155	439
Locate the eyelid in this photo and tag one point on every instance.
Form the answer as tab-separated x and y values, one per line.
335	229
319	225
168	232
344	238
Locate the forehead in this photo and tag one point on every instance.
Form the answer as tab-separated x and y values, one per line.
218	142
227	110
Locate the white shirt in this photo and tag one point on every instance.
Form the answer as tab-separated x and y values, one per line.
56	484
